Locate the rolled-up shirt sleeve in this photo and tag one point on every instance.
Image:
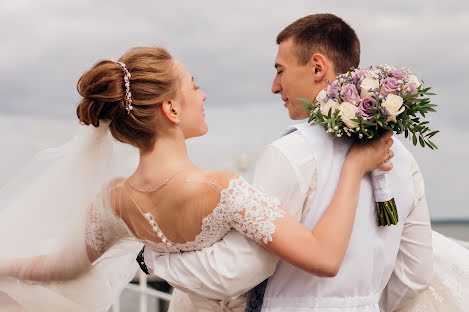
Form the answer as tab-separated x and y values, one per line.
289	177
413	268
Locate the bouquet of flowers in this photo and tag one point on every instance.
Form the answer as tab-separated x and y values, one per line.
365	103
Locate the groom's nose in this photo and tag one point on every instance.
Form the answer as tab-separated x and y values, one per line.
276	86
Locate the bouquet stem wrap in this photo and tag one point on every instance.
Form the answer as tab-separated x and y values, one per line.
386	212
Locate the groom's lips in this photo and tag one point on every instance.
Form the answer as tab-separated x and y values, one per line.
286	101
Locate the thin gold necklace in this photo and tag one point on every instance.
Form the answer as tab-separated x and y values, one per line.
156	189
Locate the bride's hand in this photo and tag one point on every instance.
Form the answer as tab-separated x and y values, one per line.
372	155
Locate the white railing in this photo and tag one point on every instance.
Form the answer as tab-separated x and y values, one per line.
145	291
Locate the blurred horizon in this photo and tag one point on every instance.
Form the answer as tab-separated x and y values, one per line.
220	148
230	49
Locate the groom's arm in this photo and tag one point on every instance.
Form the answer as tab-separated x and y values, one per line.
225	270
236	264
413	268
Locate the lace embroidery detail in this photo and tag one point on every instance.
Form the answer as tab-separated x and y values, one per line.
103	227
241	207
95	234
448	290
253	212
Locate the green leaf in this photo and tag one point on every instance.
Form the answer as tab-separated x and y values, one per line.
421	140
432	133
414	139
428	144
368	123
433	144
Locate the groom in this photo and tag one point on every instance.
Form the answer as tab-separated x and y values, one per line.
384	267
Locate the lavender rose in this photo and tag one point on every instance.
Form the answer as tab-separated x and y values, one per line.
390	85
349	93
364	109
333	90
398	74
409	89
360	73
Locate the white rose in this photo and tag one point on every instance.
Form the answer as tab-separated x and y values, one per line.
415	81
366	85
331	104
348	112
321	97
394	105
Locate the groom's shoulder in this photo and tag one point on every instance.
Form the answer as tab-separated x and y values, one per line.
293	147
291	139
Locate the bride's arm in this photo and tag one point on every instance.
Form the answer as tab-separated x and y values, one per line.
50	267
320	251
75	258
68	262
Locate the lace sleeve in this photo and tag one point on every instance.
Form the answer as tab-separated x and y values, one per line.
104	228
251	211
75	255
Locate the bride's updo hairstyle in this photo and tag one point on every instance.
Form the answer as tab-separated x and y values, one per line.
153	80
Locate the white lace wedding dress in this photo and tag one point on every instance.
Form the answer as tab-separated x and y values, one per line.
51	227
240	206
57	214
449	288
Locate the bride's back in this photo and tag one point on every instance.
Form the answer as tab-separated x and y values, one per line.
179	214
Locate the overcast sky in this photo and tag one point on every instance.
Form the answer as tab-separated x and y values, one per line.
229	46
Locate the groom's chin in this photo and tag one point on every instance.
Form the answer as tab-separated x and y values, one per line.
297	114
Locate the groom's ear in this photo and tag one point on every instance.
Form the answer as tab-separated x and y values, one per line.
319	66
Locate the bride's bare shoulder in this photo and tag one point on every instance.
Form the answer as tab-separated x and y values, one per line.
204	189
220	178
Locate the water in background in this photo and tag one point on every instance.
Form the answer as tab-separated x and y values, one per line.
245	130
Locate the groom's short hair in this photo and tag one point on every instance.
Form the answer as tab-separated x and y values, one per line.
326	34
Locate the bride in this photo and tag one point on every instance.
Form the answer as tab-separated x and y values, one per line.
70	229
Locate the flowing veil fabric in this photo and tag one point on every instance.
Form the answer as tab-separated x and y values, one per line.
44	211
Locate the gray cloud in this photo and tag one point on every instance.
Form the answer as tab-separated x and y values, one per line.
229	47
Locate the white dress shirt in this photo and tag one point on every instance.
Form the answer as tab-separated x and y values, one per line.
234	265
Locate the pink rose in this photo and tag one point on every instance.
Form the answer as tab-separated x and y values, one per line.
390	85
365	109
398	74
360	73
409	89
349	94
333	90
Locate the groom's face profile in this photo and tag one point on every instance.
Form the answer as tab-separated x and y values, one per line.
292	80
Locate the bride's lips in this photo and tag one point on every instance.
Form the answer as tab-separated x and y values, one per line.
286	101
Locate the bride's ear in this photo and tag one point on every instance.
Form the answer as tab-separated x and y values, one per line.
319	65
171	110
